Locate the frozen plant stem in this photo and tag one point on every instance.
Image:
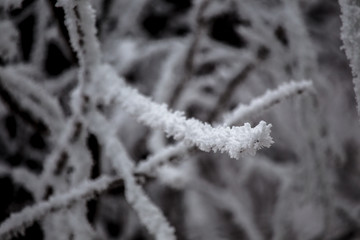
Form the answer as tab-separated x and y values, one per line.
239	114
17	222
235	140
150	215
150	164
80	23
264	102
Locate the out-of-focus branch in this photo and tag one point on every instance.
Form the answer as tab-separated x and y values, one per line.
59	16
191	51
150	215
21	92
17	222
10	4
80	22
23	106
266	101
229	91
350	35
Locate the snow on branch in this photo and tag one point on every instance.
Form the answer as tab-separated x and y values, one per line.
18	222
242	112
149	214
262	103
34	91
32	97
233	140
350	35
80	22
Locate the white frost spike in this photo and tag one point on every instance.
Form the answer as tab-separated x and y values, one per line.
235	140
270	98
259	137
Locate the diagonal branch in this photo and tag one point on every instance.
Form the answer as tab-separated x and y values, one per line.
17	222
350	35
150	215
235	140
267	100
239	114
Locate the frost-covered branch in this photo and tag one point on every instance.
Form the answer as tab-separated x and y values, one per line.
264	102
30	100
241	113
350	35
21	176
150	215
235	141
38	53
80	21
17	222
8	40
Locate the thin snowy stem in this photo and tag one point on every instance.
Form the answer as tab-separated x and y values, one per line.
150	215
21	176
17	222
161	157
266	101
38	51
30	100
80	22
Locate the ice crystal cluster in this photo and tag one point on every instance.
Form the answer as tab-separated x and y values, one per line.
179	119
